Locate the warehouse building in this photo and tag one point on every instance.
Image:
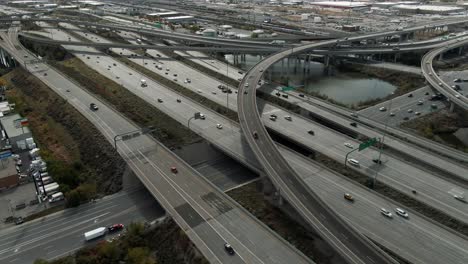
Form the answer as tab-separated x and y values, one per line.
8	175
427	9
14	132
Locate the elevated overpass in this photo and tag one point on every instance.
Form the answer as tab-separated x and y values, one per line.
209	217
437	82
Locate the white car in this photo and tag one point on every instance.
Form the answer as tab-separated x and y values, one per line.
354	162
457	96
459	198
202	117
288	118
386	213
382	109
410	110
420	102
219	126
417	113
401	212
349	145
246	85
392	114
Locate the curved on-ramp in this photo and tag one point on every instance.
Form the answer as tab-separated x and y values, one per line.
437	82
350	244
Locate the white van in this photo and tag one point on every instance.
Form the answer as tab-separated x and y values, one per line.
354	162
56	197
46	180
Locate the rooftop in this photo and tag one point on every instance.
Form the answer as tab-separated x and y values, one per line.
8	124
8	168
346	4
429	7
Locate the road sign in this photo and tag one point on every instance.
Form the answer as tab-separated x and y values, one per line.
5	154
197	115
367	144
287	88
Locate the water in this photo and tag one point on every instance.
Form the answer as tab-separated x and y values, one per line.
341	87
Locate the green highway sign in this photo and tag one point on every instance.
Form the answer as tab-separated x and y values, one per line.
287	88
367	144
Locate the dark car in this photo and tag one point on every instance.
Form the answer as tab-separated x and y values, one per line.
93	107
377	161
410	95
311	132
229	249
285	95
114	228
255	134
178	100
354	124
301	95
19	220
278	94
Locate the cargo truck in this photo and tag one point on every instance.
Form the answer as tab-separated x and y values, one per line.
56	197
95	233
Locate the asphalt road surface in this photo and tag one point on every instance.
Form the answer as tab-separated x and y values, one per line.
226	138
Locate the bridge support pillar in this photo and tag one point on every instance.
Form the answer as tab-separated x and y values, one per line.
441	56
460	51
452	107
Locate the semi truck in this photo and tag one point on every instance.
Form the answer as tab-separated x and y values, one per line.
49	188
95	233
56	197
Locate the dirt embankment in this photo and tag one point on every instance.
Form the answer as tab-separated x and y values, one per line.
70	143
169	131
440	126
252	199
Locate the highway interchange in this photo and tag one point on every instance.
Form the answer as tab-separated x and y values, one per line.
133	84
395	172
209	125
207	216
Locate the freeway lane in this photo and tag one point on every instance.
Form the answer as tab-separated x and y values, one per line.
395	172
62	233
209	217
406	239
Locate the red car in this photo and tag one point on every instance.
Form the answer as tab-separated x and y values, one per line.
174	169
115	227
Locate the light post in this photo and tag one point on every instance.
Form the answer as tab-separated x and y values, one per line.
196	115
379	161
132	134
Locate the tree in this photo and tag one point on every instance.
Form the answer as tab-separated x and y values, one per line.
140	255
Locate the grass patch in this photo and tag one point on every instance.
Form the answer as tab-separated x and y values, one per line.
440	127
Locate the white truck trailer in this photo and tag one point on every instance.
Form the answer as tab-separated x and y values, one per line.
95	233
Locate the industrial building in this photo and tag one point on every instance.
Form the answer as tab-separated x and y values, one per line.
8	174
342	5
427	9
14	132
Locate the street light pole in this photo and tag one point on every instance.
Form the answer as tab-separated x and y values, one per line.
382	142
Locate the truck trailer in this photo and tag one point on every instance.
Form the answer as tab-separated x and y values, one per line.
95	233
